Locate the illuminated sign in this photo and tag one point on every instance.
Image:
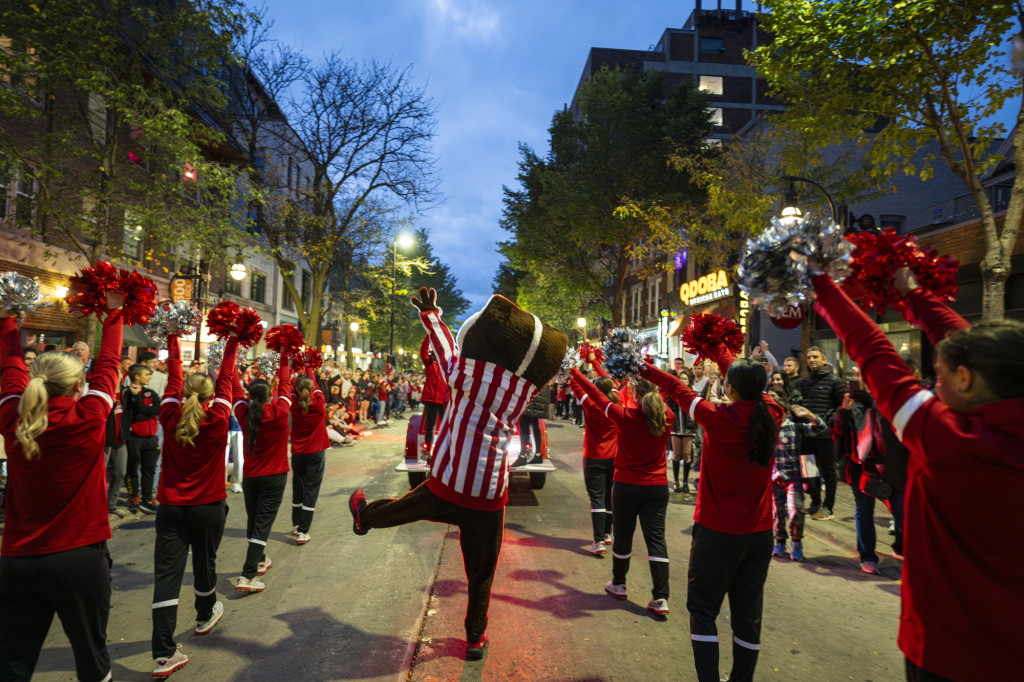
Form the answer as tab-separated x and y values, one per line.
708	288
744	312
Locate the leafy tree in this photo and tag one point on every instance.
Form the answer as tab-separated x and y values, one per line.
563	217
894	77
506	280
105	122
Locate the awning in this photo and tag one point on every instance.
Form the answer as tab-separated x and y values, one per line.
134	336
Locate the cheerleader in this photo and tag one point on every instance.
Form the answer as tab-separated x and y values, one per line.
640	491
265	424
732	530
193	509
600	445
436	394
309	443
54	556
962	574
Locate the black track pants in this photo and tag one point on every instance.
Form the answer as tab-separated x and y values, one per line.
646	503
75	585
307	475
480	535
178	529
597	477
143	454
432	413
723	564
263	495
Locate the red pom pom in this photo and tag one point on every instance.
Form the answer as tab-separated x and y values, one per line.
228	317
707	331
89	289
89	293
139	297
309	357
878	255
249	328
221	320
586	349
285	339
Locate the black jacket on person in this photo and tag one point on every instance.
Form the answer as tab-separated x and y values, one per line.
538	407
822	393
888	454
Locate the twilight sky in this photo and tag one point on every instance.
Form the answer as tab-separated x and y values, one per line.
496	70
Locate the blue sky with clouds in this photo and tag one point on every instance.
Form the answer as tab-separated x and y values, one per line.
497	72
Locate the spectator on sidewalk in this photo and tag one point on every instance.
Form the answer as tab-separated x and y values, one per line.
822	392
141	409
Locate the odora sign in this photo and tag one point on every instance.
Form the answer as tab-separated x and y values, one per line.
708	288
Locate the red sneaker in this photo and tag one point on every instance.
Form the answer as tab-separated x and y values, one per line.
356	502
475	651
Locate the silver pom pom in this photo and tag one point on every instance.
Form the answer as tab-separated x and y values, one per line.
624	352
20	294
215	356
184	313
269	363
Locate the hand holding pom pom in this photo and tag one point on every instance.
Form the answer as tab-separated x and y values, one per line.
309	357
19	294
228	319
286	339
587	350
268	363
706	332
623	354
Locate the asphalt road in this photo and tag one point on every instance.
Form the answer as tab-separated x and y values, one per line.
389	606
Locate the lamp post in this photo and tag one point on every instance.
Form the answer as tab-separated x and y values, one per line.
581	322
790	207
405	241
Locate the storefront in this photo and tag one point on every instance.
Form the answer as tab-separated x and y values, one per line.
53	325
712	293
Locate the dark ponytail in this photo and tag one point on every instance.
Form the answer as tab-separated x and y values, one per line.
259	396
748	378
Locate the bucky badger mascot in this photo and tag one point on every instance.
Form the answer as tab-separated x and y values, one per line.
503	357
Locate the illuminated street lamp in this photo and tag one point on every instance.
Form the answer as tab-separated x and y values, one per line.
354	326
790	209
581	322
238	272
405	241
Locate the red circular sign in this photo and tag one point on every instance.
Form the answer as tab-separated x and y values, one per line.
791	318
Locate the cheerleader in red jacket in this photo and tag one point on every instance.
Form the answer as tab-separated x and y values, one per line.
435	395
962	573
194	414
54	556
265	426
506	356
640	491
732	529
309	443
600	445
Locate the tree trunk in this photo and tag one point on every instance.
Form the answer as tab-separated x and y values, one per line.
995	270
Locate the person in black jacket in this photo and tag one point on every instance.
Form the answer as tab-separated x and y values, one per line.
141	407
529	425
822	392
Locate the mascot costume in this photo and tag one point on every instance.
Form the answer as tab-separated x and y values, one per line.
503	358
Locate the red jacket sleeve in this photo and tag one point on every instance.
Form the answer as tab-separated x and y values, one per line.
897	393
103	380
425	351
227	377
318	401
616	413
441	340
723	358
12	370
701	410
283	401
926	311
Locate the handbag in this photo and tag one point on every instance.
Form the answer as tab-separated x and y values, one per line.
871	483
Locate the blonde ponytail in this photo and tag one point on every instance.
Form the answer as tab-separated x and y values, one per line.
304	391
197	390
53	373
652	405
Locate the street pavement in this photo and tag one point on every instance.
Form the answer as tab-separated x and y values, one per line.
390	605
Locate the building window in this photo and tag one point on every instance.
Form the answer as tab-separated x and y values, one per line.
712	142
258	292
232	286
896	222
711	85
286	300
17	193
712	44
717	116
131	238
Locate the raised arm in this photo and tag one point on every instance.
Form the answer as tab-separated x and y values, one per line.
425	351
723	358
682	394
175	378
934	317
227	377
585	390
318	399
440	337
13	373
103	380
283	397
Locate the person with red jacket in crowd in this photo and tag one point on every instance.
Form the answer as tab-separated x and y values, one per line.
640	491
192	512
53	557
309	443
435	396
733	520
600	445
962	573
265	427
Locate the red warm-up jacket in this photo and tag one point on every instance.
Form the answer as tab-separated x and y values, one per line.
268	455
309	429
435	388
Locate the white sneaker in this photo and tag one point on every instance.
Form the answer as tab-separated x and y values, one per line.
264	566
236	487
597	548
204	627
166	666
246	585
608	539
658	607
295	531
869	567
617	591
302	538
